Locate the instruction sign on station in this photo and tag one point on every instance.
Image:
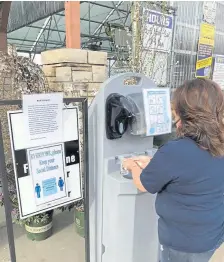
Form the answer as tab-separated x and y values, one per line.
157	111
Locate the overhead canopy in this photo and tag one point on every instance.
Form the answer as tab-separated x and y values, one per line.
23	13
36	26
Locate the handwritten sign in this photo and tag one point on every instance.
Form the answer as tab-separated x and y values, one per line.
209	11
158	30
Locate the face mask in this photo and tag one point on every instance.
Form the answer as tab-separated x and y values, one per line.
174	123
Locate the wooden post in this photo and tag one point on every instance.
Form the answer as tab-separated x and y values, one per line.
4	15
72	22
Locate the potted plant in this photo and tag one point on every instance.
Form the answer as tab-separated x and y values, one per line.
38	227
79	216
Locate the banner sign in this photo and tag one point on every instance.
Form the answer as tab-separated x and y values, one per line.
49	175
218	73
157	30
205	51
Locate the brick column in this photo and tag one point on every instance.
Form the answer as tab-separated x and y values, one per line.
77	73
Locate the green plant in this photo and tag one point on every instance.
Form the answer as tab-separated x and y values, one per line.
79	205
37	219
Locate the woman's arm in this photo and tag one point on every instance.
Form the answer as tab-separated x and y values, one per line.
135	166
136	173
154	175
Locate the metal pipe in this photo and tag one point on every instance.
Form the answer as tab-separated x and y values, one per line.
106	6
61	31
82	19
107	17
7	203
40	33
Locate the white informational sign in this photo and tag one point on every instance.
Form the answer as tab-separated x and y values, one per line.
158	115
47	170
157	30
43	118
218	73
47	176
209	11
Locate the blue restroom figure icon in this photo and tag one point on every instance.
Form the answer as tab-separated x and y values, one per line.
37	190
61	183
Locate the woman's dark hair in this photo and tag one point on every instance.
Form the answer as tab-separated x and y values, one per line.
199	104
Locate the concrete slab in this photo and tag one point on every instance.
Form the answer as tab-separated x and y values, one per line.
64	245
2	217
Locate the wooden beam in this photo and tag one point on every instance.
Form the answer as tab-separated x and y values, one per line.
72	22
4	15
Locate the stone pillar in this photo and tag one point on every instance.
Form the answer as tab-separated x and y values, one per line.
77	73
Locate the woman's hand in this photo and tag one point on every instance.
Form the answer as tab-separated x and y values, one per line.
135	166
128	164
140	161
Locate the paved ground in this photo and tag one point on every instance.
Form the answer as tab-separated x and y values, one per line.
65	245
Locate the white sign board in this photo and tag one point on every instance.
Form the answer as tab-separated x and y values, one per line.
157	30
218	73
209	11
43	118
47	176
47	170
158	115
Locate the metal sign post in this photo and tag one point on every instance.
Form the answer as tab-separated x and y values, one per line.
7	204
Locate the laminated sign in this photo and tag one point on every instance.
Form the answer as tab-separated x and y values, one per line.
218	73
205	51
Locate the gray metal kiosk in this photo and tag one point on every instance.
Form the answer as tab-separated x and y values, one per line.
123	221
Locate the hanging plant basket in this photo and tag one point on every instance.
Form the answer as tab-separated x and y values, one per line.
39	231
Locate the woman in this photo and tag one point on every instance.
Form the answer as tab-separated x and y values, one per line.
188	175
